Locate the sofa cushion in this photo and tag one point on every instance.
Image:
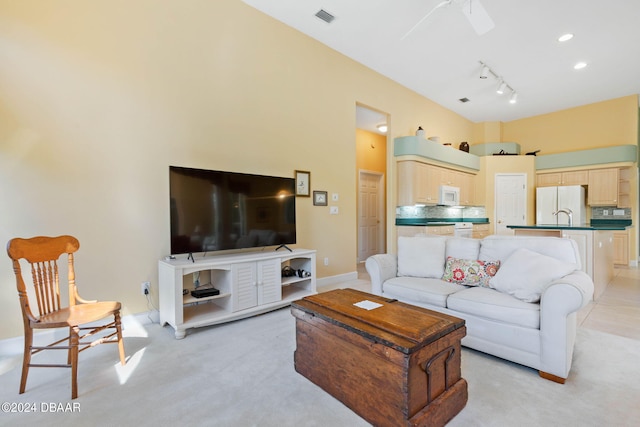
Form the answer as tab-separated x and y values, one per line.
469	272
496	247
526	274
494	305
421	256
421	290
462	248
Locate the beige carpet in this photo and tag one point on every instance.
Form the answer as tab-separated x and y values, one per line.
241	374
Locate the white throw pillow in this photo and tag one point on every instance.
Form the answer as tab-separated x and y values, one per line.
421	256
462	248
525	274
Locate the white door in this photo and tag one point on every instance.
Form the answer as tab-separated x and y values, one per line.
511	201
370	214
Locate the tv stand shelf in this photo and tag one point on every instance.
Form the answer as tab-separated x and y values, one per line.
250	283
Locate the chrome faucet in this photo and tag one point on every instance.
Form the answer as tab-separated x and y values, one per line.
567	211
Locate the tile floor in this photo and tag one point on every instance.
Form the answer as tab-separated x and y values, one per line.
617	311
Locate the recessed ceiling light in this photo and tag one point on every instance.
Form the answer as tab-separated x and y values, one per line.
565	37
579	65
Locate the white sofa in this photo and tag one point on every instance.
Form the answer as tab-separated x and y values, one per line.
525	313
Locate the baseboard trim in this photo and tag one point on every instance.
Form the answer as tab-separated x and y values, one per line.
332	280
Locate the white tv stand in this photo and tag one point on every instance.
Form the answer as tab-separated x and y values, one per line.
250	283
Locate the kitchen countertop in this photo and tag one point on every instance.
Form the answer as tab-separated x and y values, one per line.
433	222
595	225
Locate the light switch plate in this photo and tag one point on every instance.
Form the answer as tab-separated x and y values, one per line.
334	197
333	210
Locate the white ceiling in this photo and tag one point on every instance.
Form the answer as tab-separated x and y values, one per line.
440	58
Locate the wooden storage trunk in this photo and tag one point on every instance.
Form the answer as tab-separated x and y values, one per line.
393	365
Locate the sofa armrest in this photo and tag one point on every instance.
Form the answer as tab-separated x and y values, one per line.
581	282
559	305
381	268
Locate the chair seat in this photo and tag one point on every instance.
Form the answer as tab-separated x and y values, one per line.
77	315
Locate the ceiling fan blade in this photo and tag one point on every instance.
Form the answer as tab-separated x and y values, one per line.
438	6
477	16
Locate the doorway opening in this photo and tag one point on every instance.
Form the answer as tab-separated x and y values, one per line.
371	169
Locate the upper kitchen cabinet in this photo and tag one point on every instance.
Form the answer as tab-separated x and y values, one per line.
467	184
603	187
418	183
579	177
624	187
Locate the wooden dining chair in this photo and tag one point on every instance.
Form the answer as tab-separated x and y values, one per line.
43	253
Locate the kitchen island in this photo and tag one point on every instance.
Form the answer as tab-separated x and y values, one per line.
595	242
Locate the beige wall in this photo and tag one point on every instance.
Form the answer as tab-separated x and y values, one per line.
602	124
97	99
371	151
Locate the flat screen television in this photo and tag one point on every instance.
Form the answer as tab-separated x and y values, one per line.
216	210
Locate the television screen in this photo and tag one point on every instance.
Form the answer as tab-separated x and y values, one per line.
217	210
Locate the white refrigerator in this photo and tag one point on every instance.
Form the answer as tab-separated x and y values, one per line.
550	199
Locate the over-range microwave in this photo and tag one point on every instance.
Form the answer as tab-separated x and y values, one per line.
449	196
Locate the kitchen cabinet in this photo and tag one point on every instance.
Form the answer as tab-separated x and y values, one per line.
419	183
422	230
411	230
480	231
416	183
579	177
441	230
624	187
603	187
466	182
621	247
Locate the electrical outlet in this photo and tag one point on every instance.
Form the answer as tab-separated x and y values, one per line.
145	288
326	261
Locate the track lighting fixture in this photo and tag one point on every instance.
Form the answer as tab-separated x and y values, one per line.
502	85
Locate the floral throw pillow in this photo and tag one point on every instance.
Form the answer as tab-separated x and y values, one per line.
470	272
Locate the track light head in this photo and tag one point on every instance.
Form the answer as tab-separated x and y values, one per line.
514	98
501	88
485	72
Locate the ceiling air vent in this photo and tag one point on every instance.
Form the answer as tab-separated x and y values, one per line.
325	16
463	100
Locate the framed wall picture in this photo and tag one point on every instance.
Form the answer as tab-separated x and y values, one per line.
320	198
303	183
